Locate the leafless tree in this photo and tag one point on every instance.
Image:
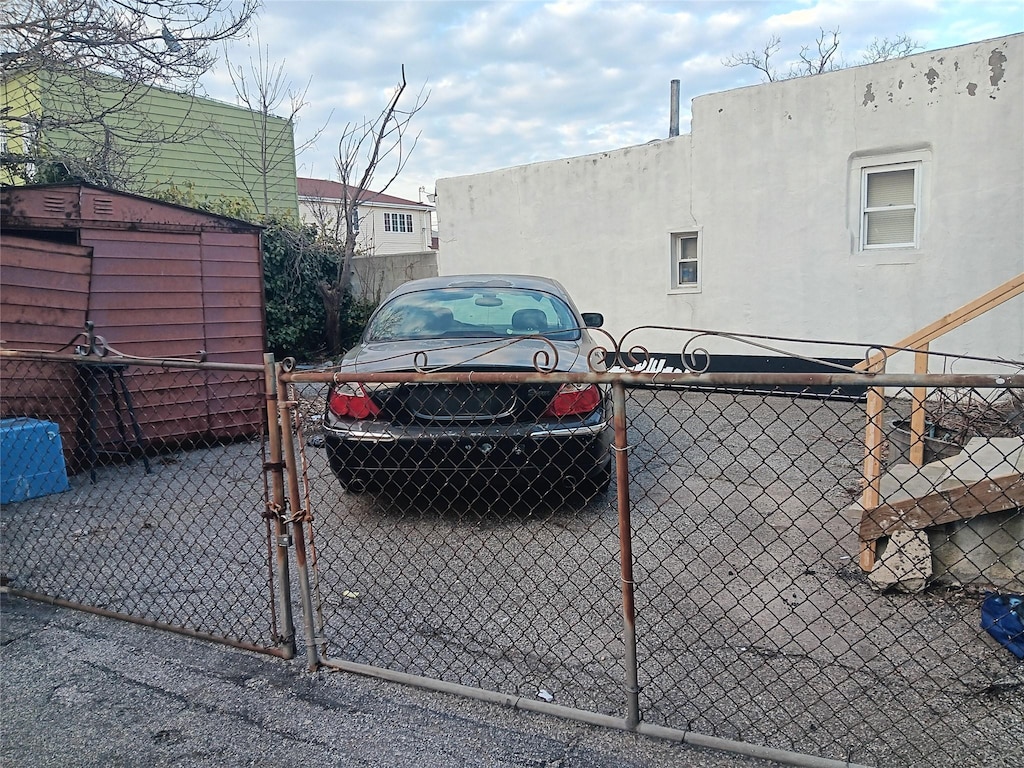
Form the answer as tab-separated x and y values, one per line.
884	49
758	59
823	56
95	60
262	88
821	60
369	149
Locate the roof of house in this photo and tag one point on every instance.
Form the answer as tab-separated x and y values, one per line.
334	190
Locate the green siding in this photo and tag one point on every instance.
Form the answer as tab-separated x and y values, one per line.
184	140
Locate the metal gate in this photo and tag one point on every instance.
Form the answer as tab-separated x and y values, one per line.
717	592
134	488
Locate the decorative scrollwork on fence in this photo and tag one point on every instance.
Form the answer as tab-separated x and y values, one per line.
95	345
689	356
696	356
622	354
544	359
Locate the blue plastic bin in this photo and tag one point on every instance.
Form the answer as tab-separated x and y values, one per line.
31	460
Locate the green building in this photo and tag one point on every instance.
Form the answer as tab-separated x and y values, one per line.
144	139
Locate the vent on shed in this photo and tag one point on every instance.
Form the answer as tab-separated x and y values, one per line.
103	206
54	203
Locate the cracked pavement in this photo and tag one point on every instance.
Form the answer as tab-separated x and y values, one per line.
83	690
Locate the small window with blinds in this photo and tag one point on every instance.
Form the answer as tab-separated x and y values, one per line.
889	206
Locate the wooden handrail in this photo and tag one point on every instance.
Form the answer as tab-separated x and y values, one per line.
874	432
1012	287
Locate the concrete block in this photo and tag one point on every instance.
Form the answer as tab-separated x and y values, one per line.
904	563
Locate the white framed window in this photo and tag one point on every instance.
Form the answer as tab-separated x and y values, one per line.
686	267
398	222
890	206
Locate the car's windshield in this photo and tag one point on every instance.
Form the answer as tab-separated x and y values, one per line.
464	312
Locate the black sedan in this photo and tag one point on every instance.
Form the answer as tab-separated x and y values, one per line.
557	436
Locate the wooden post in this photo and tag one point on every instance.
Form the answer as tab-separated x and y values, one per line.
874	435
917	409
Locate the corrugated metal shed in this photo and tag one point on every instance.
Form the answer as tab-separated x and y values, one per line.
162	281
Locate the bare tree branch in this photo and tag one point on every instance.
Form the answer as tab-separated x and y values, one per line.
380	144
823	57
759	60
884	49
263	89
827	45
95	60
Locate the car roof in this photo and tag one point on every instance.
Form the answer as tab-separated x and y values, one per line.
528	282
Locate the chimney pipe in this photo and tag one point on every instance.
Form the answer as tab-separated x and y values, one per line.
673	120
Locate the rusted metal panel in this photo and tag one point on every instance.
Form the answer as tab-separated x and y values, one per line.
42	307
234	317
78	206
45	292
166	282
144	292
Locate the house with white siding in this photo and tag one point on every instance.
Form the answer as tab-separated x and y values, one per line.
395	238
858	205
385	224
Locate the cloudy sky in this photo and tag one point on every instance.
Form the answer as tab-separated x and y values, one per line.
518	82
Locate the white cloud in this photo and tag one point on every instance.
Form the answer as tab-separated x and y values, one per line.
727	21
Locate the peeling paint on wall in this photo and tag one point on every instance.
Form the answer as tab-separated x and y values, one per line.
996	61
972	88
868	96
931	76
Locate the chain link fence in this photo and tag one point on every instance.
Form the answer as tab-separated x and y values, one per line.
755	620
136	489
745	531
734	557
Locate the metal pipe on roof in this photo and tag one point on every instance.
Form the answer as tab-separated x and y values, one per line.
673	120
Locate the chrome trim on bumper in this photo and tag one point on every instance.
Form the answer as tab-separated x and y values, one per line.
365	435
592	429
358	433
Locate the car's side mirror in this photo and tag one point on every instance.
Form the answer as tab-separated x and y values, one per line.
593	319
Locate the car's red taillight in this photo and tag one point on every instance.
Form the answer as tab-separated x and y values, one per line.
348	401
574	400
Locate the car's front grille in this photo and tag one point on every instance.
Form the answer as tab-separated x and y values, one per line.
466	403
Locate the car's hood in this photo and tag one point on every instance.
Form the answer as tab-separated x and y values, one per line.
470	353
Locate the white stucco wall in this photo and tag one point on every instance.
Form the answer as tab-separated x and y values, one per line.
770	178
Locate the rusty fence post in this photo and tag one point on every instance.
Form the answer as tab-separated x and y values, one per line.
276	507
299	517
632	686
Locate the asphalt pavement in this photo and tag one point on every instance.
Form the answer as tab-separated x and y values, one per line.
84	690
